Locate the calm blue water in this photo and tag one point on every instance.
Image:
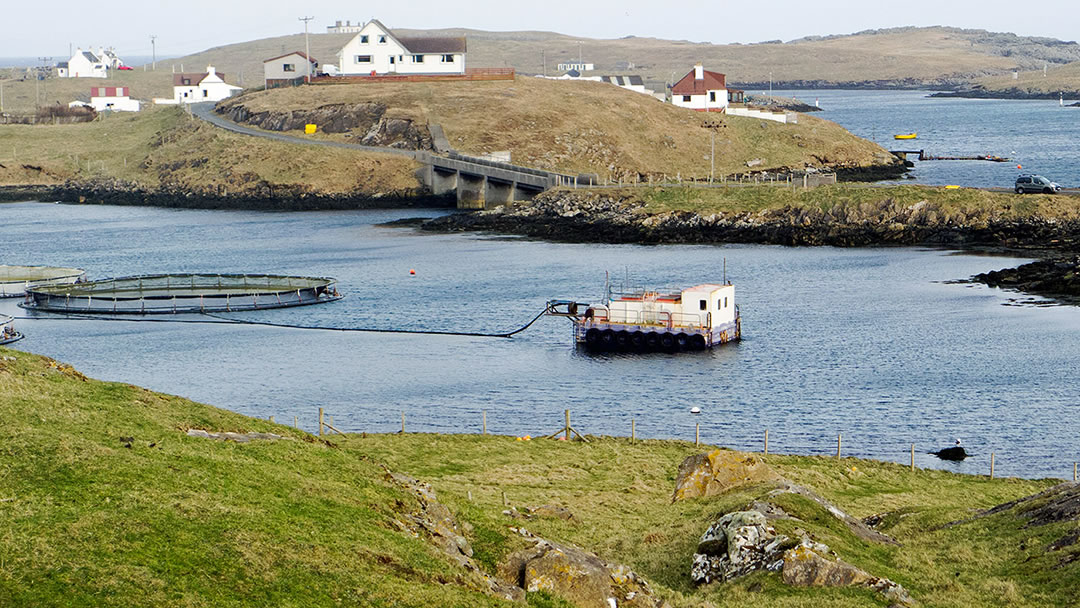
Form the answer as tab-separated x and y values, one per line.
1039	135
871	343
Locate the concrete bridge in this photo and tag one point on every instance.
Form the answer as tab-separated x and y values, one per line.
481	183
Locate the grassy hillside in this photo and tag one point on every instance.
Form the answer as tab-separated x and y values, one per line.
106	501
588	127
909	55
164	146
1064	78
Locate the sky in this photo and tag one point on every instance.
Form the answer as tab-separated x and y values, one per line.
194	25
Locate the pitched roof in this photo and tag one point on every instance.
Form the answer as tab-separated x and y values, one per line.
623	81
712	81
430	44
92	58
193	78
300	53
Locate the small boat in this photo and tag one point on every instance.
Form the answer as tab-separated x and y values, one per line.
7	331
667	320
906	136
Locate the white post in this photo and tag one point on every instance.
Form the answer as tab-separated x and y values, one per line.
307	48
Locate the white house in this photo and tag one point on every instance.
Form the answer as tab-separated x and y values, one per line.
113	99
197	88
83	64
580	66
375	50
701	90
288	69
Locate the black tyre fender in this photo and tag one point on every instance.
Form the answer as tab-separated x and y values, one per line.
683	341
667	341
592	336
607	338
697	342
637	339
652	340
622	338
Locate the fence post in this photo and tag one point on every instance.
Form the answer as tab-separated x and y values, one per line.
402	422
567	414
633	437
839	441
913	458
483	416
766	442
320	421
295	423
697	434
991	465
272	420
1074	471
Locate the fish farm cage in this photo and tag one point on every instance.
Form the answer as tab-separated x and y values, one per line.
14	280
181	293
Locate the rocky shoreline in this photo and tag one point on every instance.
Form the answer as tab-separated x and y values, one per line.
263	197
590	217
1056	277
1012	93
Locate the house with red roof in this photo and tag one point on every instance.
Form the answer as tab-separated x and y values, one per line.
704	91
375	51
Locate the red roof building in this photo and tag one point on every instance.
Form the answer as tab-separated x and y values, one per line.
701	90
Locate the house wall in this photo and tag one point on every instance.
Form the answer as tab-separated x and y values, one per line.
390	57
81	67
702	102
211	88
781	117
114	104
275	70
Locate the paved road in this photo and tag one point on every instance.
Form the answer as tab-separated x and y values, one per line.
205	111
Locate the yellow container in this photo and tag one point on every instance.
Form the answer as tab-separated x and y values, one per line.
309	129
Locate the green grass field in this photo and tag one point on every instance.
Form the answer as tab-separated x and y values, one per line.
105	501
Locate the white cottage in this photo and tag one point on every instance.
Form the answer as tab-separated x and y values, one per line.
375	50
197	88
701	90
83	64
113	99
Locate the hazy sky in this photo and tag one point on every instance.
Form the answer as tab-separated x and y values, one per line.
26	30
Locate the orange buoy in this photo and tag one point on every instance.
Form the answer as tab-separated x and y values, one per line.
412	271
1019	167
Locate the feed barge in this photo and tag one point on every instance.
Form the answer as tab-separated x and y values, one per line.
666	320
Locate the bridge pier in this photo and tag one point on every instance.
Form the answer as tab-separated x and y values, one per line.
499	193
441	181
471	191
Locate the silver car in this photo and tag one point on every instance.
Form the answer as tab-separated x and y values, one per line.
1035	183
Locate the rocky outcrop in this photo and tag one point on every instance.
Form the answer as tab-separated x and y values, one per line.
434	522
1056	277
576	575
599	217
742	542
367	122
716	472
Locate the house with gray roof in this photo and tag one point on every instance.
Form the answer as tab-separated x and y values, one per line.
83	64
376	50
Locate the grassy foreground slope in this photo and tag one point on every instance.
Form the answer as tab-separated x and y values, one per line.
163	146
588	127
105	501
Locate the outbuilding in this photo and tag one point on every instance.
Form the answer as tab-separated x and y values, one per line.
289	70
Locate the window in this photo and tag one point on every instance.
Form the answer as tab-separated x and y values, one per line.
712	95
205	93
703	305
363	59
186	82
448	59
363	39
418	59
686	98
392	58
382	39
288	67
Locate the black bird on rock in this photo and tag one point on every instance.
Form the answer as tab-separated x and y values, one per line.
957	452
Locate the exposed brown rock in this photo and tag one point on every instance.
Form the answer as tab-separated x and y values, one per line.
716	472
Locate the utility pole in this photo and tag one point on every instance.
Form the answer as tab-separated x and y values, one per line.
307	49
153	49
770	85
543	60
40	76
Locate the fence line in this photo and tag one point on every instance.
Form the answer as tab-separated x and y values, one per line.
568	432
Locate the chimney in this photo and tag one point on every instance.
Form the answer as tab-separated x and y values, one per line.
210	70
699	72
337	23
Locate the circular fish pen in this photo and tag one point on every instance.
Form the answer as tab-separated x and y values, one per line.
182	293
7	330
15	280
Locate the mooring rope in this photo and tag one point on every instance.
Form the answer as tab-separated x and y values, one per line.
228	321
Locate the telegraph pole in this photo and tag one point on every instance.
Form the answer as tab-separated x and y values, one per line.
307	49
41	76
153	49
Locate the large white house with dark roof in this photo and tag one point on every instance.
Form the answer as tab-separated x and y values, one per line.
84	64
376	50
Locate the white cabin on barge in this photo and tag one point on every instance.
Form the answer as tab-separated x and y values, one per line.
696	318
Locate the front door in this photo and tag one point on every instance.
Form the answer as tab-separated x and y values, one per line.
393	64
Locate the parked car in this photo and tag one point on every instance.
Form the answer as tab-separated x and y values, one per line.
125	67
1035	183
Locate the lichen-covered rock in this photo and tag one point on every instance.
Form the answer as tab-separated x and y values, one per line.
576	575
737	544
806	567
718	471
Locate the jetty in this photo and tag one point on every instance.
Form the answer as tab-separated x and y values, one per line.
922	155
